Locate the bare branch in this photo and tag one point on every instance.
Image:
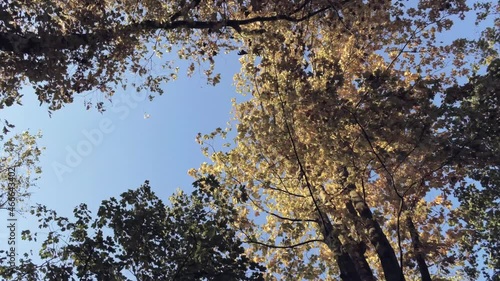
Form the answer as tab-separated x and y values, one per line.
283	246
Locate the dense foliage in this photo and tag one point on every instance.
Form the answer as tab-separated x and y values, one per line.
89	45
362	143
370	181
139	238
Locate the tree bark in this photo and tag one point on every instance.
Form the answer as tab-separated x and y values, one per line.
385	252
346	265
34	44
357	251
417	248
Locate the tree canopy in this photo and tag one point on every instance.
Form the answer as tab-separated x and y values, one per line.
363	145
354	178
367	178
89	46
139	237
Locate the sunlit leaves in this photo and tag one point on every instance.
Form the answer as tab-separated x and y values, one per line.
328	100
19	166
93	47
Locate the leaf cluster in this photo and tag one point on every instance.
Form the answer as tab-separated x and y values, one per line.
137	237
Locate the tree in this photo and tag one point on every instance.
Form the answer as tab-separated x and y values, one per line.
343	148
344	171
19	168
188	240
89	46
344	140
474	114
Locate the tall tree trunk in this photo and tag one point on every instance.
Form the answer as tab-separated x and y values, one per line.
346	265
385	252
357	250
417	248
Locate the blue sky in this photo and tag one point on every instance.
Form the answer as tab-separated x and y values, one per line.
120	149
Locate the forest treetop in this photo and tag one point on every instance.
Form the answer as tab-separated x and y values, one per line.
357	116
66	48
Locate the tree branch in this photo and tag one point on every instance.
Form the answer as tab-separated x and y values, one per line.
278	216
417	248
283	246
35	44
